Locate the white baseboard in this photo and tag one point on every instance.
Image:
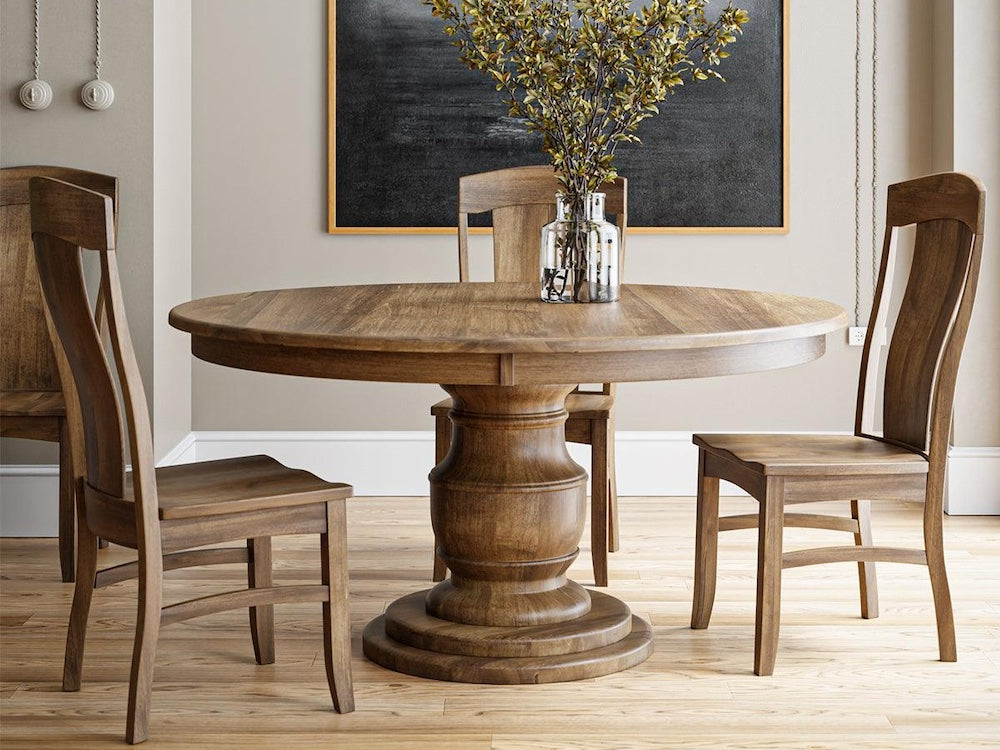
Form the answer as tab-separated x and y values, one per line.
375	463
182	453
658	463
29	500
973	482
397	463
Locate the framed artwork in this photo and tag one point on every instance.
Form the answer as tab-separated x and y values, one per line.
406	119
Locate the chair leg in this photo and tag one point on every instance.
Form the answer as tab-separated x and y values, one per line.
613	527
442	444
769	542
934	546
147	631
599	502
440	569
706	551
67	507
83	593
861	511
261	616
336	615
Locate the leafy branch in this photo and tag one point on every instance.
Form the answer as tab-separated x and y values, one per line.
586	73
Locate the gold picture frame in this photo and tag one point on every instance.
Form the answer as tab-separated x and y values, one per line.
420	33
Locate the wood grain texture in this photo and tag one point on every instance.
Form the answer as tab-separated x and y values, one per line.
336	619
623	654
696	690
936	283
443	332
792	520
173	561
499	318
908	461
259	569
508	510
706	551
861	514
407	622
500	369
521	201
768	609
32	404
178	508
586	406
805	455
508	506
249	483
857	553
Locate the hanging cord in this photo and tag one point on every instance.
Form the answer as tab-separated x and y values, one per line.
875	245
37	46
97	39
857	162
35	93
98	93
875	242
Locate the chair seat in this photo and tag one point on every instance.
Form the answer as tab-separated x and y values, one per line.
32	404
801	455
236	485
579	406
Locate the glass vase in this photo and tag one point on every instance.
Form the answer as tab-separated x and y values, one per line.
579	252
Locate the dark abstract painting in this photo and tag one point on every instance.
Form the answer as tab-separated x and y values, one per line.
407	119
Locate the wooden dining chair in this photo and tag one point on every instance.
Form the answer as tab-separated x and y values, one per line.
165	513
522	201
906	461
31	398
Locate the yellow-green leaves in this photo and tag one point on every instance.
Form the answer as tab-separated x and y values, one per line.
585	73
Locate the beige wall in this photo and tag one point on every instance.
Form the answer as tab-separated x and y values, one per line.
259	200
975	128
171	219
142	139
118	141
260	191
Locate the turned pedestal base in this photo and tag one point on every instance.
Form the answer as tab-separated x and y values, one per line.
607	639
508	508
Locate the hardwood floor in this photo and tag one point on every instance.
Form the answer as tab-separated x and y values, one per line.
839	682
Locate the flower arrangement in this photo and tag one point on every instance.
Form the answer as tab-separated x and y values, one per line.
585	73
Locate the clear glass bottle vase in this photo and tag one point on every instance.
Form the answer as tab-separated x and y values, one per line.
579	252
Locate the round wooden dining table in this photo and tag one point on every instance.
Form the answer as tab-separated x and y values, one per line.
508	503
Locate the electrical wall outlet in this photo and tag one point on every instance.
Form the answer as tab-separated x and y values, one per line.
856	335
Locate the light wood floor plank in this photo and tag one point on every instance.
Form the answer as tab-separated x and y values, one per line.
839	682
832	741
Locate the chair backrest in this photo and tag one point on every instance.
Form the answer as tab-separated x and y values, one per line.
522	201
921	363
28	362
65	219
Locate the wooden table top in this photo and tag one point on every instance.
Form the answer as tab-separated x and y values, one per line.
497	318
433	330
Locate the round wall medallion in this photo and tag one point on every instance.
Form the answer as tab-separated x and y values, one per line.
97	94
36	94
